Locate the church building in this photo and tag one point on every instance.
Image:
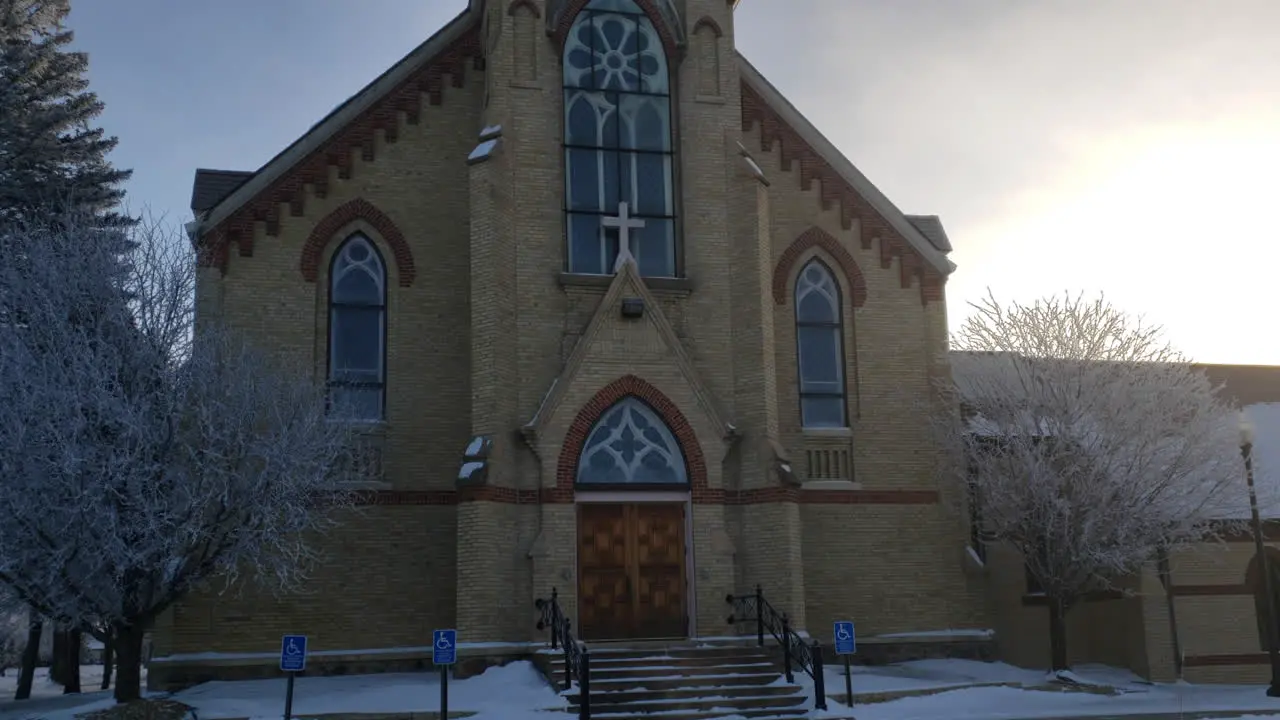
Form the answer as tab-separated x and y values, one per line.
617	321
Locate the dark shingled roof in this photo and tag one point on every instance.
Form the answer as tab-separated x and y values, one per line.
930	226
1246	384
212	186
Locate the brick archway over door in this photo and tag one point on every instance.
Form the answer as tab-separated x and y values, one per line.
567	468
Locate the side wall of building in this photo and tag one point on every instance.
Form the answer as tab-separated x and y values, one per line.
389	571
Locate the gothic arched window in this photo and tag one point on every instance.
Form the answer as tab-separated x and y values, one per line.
820	347
631	445
617	141
357	330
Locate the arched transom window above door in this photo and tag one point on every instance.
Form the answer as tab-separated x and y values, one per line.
619	172
631	445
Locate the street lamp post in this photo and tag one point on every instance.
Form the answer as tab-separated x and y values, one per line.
1273	652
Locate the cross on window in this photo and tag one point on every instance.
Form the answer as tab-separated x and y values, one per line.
624	224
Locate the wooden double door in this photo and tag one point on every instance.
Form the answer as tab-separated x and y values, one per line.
631	571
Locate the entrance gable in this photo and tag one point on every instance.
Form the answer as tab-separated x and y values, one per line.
635	345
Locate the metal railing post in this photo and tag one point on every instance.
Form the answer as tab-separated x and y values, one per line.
819	679
584	686
555	619
786	649
759	615
568	657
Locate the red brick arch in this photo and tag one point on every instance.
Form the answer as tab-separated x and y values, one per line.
709	22
572	7
326	231
817	237
629	385
528	4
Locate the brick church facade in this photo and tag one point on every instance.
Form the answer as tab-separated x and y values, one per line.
618	321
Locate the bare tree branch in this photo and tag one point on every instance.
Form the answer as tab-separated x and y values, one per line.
138	461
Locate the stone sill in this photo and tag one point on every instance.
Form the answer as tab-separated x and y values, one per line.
824	433
661	284
845	485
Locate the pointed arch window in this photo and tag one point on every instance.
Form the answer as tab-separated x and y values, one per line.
357	331
820	347
631	445
618	140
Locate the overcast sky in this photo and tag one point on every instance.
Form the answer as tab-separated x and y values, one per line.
1123	146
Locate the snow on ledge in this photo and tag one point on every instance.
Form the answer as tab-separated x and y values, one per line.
972	634
465	649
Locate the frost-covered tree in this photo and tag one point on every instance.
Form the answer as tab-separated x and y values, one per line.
1091	446
137	463
50	153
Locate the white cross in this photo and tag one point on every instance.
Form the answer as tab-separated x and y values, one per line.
625	224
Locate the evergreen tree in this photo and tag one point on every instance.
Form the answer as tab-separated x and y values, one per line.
52	160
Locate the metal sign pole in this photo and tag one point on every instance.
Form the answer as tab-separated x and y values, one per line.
444	692
848	683
288	697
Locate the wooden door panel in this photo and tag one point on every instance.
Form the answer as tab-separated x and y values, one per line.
631	571
605	592
659	570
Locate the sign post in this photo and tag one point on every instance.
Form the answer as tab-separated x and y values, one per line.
444	644
846	645
293	660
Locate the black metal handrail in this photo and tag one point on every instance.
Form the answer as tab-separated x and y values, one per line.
577	659
808	656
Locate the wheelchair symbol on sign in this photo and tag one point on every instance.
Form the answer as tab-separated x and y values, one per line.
292	648
843	633
443	643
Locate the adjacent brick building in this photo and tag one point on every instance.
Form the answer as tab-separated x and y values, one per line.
739	399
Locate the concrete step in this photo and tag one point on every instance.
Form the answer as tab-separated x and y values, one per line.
603	660
670	672
675	650
704	704
761	714
692	681
644	695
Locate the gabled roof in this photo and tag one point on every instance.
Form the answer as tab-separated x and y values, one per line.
930	226
898	235
213	186
271	184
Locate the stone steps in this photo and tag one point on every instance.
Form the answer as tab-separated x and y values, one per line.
683	681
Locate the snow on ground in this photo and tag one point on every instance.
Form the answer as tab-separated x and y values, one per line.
960	700
90	679
501	692
518	692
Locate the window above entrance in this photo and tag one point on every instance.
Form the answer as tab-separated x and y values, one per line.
631	445
619	183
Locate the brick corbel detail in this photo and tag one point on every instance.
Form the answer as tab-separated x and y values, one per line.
572	7
625	386
835	190
360	133
817	237
326	231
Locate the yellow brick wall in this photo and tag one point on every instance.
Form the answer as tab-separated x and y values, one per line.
387	582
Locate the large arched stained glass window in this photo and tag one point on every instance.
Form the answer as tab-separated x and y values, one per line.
357	331
617	140
820	347
631	445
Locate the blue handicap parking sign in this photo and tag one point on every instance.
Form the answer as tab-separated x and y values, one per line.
293	653
846	641
444	644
